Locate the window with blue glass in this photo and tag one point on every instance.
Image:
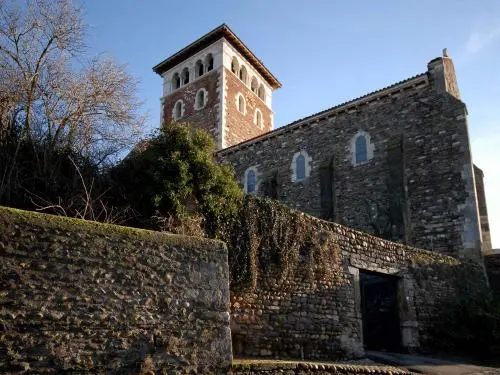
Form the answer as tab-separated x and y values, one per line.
361	150
251	182
300	167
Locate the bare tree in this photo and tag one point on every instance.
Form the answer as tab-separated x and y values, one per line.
93	111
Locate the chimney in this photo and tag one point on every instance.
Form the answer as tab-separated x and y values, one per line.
442	74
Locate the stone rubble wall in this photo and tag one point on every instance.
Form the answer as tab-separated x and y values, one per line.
483	210
418	188
322	319
303	368
79	296
492	264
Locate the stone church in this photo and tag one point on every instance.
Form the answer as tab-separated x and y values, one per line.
395	162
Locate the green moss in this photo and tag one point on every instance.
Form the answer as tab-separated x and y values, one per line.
19	217
242	367
425	257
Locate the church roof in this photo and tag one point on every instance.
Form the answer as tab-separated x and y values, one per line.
407	84
223	31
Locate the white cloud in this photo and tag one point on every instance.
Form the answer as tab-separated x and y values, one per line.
478	40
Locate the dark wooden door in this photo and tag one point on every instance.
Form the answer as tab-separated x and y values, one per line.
379	303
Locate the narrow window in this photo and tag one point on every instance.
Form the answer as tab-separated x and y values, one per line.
361	154
250	182
241	104
176	81
235	66
300	167
200	99
199	68
209	61
243	74
258	118
254	86
261	93
185	76
178	110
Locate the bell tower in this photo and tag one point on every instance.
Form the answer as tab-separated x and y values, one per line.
216	83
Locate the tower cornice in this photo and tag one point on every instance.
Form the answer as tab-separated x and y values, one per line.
223	31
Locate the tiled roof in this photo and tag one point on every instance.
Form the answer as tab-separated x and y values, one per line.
409	83
223	31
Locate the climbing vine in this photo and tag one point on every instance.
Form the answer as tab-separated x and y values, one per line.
271	243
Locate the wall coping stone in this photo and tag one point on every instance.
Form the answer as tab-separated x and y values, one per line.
304	367
18	216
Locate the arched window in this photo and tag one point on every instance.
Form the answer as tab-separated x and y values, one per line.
300	167
250	180
261	93
178	110
185	76
199	68
361	149
235	67
209	62
241	104
201	99
243	74
254	86
176	81
258	118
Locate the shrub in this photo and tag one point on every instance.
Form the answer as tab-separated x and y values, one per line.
175	177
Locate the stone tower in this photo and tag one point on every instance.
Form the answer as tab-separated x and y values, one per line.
216	83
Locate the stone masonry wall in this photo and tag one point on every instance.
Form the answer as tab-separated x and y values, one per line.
239	127
492	264
418	188
321	318
483	210
83	297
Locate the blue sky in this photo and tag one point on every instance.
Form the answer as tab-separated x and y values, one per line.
324	53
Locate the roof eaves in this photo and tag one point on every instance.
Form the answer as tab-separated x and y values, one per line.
232	38
239	44
374	95
158	67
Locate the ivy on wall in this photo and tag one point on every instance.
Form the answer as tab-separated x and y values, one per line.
271	242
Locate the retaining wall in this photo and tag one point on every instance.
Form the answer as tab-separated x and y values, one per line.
314	310
78	296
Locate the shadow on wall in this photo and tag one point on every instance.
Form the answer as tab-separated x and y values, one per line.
492	263
309	289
